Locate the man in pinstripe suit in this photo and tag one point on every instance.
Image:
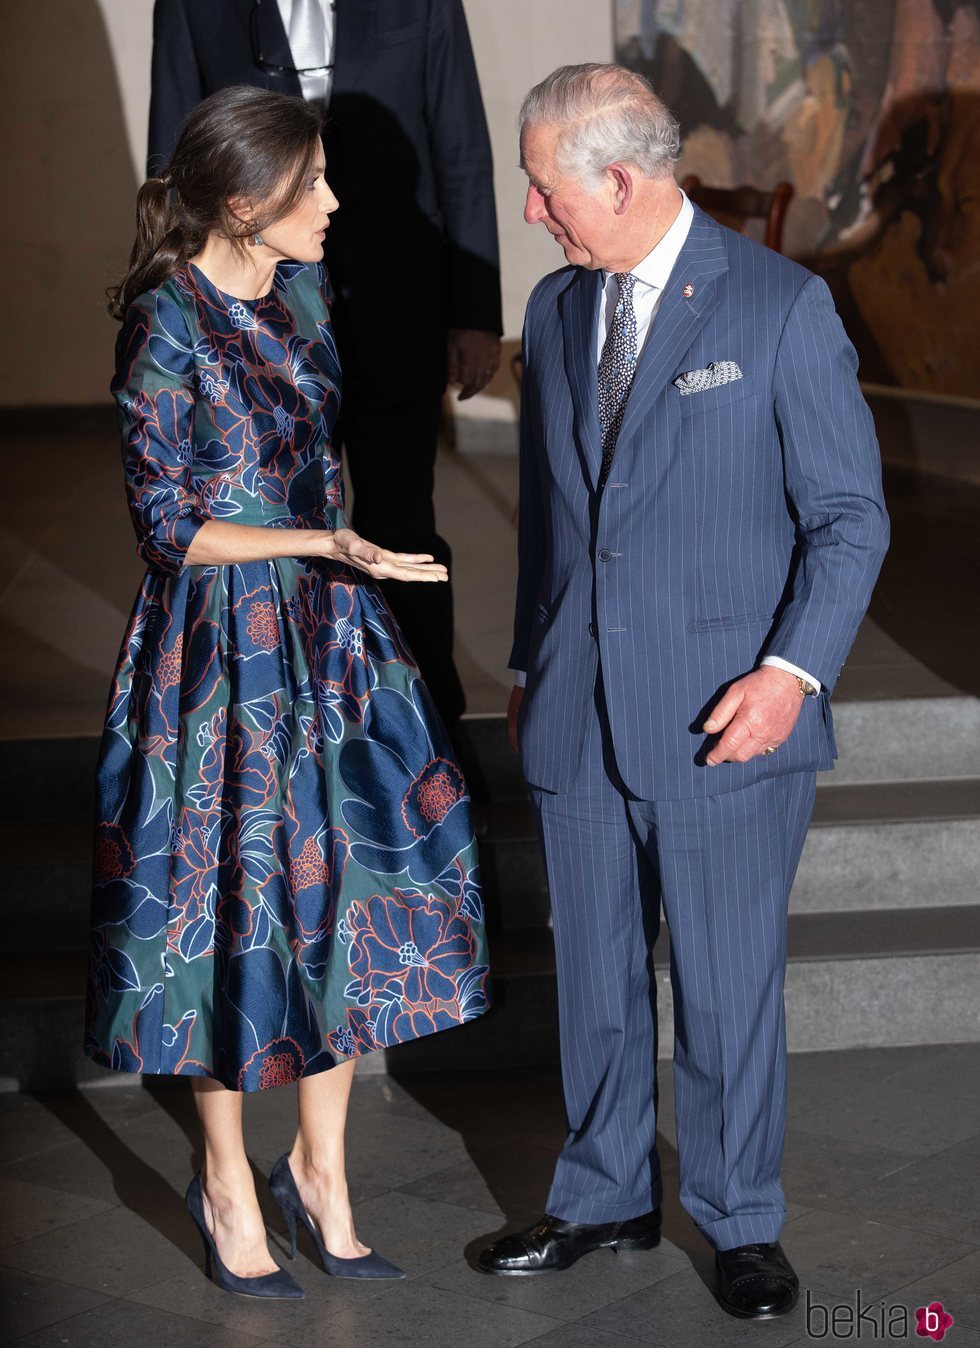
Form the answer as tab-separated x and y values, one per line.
701	527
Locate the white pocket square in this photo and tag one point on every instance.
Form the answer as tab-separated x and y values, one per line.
718	372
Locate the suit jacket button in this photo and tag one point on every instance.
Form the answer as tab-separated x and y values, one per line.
593	630
604	554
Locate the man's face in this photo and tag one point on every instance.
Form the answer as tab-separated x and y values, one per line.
583	223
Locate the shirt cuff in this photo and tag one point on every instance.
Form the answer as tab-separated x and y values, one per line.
520	678
791	669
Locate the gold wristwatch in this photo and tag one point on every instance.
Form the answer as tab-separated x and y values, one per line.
806	687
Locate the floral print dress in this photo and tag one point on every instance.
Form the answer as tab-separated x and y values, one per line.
285	874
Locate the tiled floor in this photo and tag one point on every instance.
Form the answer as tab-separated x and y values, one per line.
882	1176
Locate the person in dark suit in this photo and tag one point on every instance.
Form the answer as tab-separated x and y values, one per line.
412	255
701	526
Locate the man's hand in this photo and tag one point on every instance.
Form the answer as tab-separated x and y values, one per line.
513	707
756	713
473	359
352	550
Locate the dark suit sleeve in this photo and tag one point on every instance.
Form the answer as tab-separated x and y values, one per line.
531	521
175	81
460	150
832	469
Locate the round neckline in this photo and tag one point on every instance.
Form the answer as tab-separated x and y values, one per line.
226	296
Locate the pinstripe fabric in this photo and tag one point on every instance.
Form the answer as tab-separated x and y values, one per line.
605	920
740	521
722	866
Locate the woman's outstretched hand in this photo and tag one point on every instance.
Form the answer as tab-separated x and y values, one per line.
353	550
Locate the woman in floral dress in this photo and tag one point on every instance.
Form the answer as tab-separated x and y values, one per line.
286	876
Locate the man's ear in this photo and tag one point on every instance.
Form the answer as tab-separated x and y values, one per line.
622	185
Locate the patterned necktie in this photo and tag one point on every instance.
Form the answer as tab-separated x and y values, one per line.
307	43
616	367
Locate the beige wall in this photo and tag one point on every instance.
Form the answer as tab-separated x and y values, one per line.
517	43
74	137
68	166
129	24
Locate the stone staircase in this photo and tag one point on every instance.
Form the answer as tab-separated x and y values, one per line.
884	934
884	930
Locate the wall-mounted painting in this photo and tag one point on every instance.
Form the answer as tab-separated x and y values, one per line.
871	108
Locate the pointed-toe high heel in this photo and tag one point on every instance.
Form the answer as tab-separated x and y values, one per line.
283	1188
278	1284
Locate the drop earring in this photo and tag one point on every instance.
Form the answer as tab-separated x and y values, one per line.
256	240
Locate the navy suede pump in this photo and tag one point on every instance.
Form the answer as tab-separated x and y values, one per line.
278	1284
283	1188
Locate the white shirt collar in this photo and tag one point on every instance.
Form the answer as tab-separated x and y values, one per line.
654	270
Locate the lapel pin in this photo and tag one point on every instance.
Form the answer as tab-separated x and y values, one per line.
688	291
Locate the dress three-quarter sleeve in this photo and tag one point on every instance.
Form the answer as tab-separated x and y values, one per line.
155	393
334	505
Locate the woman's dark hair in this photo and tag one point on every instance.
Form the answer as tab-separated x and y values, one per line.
240	142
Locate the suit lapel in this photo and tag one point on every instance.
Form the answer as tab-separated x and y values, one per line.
579	308
268	37
354	23
700	267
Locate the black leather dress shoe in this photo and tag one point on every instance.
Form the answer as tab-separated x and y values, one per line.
552	1244
757	1281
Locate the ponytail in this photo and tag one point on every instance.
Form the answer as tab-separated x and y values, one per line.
163	243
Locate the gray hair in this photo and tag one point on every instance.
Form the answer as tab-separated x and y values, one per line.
610	115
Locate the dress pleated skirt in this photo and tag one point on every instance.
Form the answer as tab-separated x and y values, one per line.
286	875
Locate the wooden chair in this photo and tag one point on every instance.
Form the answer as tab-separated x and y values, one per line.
734	206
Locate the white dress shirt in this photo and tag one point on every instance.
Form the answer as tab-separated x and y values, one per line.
652	276
318	85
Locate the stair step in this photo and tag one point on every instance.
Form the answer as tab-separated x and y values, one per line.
42	977
45	881
888	860
853	981
42	1011
884	932
859	984
895	802
41	1045
49	778
949	930
888	846
46	842
896	739
889	866
812	937
854	804
891	740
886	740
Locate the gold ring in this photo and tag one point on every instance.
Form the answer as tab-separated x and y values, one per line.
771	749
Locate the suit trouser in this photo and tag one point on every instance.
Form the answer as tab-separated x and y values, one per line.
722	867
391	454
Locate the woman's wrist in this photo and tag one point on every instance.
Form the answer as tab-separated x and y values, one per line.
313	543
